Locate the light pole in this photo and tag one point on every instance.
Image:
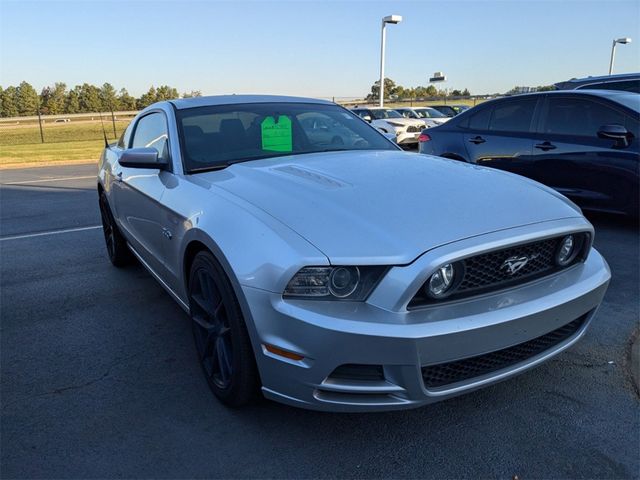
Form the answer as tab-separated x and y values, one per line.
393	19
623	41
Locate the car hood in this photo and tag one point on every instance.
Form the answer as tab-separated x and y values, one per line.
386	207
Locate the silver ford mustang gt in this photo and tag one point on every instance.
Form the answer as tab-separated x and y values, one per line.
331	270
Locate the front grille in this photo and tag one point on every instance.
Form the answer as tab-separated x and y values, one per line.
485	269
489	272
413	129
436	376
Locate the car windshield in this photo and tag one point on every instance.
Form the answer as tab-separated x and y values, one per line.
217	136
409	114
429	113
381	114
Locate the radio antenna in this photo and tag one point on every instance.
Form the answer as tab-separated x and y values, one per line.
104	132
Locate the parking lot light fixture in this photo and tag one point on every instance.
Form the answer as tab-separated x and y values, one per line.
393	19
623	41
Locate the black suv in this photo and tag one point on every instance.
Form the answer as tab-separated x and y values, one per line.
583	143
626	82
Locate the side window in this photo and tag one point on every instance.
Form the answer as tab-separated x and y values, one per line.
151	132
578	116
480	119
513	116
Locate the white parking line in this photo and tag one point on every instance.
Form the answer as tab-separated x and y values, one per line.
53	179
52	232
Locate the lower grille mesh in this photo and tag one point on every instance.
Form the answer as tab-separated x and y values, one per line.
435	376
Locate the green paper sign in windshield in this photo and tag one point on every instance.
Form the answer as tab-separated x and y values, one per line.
276	136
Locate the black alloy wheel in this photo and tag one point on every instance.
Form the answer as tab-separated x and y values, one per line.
221	338
117	249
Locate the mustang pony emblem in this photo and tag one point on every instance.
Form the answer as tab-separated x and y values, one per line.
514	264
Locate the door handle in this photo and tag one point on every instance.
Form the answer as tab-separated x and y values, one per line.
119	176
544	146
477	140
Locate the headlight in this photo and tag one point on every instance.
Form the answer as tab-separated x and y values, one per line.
334	283
567	250
398	125
343	281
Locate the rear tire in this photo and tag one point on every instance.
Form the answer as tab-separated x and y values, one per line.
117	249
220	334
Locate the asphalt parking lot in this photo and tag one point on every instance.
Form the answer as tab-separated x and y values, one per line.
99	377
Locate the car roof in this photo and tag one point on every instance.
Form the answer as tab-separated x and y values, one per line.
215	100
612	94
628	99
576	82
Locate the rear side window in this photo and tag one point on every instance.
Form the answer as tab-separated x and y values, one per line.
579	116
151	132
513	116
479	120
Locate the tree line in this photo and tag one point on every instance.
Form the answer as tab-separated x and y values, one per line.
24	100
397	92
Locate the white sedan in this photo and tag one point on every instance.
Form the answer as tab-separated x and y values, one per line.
406	130
429	116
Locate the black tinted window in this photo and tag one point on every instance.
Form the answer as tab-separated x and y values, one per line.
151	132
513	116
579	116
480	120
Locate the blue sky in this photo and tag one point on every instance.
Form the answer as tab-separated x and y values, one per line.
314	48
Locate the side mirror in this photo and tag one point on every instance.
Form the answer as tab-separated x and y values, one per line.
616	132
367	118
142	158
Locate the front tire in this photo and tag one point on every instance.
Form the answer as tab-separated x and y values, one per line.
220	333
117	249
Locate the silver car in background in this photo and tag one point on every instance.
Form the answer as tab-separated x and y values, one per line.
429	116
343	276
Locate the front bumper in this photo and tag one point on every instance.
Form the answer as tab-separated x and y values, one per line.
382	332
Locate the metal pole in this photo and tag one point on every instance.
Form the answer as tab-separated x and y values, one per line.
381	90
613	55
113	121
40	123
